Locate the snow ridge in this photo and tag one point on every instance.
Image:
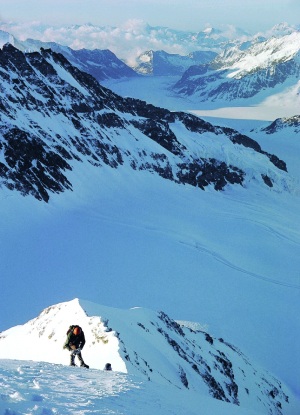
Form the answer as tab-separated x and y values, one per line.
150	345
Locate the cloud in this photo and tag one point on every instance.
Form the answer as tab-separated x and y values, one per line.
127	41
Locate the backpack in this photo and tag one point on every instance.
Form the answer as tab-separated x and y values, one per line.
72	327
107	366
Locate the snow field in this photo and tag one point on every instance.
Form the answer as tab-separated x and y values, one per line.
47	389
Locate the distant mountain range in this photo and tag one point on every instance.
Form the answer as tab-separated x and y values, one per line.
129	39
244	73
216	66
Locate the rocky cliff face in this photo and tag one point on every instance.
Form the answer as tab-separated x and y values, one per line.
54	116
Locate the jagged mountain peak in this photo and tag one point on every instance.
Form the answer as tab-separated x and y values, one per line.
151	345
281	29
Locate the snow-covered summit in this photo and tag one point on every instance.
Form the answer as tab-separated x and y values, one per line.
281	29
291	123
152	346
261	55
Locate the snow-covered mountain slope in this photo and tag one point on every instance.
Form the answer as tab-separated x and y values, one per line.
264	69
153	346
282	136
53	117
160	63
101	64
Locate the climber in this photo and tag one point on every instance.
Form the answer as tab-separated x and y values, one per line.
74	343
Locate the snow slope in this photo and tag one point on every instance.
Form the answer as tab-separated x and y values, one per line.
227	260
43	388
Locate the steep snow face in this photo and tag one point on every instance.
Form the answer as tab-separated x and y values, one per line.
238	73
54	116
282	136
153	346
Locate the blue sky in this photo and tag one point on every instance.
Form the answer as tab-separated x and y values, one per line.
254	15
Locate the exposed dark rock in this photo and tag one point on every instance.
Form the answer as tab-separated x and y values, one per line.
209	339
34	168
209	171
267	180
183	377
